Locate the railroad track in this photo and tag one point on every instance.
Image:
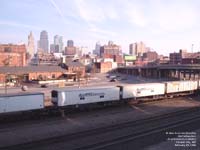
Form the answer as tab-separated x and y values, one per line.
26	118
105	137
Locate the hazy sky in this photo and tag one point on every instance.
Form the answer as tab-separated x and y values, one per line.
164	25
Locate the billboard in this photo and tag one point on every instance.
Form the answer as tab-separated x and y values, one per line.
129	58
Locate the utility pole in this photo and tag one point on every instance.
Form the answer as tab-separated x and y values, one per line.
6	91
199	50
6	63
192	47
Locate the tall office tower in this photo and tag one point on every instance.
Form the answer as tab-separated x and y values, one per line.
133	49
38	44
137	49
110	42
141	49
44	42
31	45
52	48
97	49
58	40
70	43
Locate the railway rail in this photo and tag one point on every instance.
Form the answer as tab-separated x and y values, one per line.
116	135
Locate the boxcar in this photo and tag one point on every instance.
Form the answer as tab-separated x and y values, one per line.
65	97
142	90
21	102
181	86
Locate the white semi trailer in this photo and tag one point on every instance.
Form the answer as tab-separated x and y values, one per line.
21	102
65	97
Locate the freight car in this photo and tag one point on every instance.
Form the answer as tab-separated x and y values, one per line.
63	97
75	97
21	102
135	91
177	88
158	90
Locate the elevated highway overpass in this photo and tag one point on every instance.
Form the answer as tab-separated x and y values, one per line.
177	71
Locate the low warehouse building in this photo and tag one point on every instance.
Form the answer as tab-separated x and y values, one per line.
29	73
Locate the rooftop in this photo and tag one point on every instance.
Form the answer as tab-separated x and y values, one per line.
29	69
74	64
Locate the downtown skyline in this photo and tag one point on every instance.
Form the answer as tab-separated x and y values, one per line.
165	26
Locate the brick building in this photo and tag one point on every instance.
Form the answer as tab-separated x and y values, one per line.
102	67
112	51
43	58
182	57
150	56
12	55
176	58
29	73
192	58
74	69
70	50
119	59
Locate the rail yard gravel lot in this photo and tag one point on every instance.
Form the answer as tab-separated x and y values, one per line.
23	132
34	130
96	80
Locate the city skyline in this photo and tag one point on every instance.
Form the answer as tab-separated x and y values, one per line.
165	26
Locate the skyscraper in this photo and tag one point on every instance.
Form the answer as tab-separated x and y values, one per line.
58	40
44	42
137	49
31	45
141	48
133	49
97	49
70	43
52	48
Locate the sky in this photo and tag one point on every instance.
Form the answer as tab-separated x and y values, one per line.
164	25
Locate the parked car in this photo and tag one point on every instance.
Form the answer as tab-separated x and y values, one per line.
124	79
44	86
112	80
